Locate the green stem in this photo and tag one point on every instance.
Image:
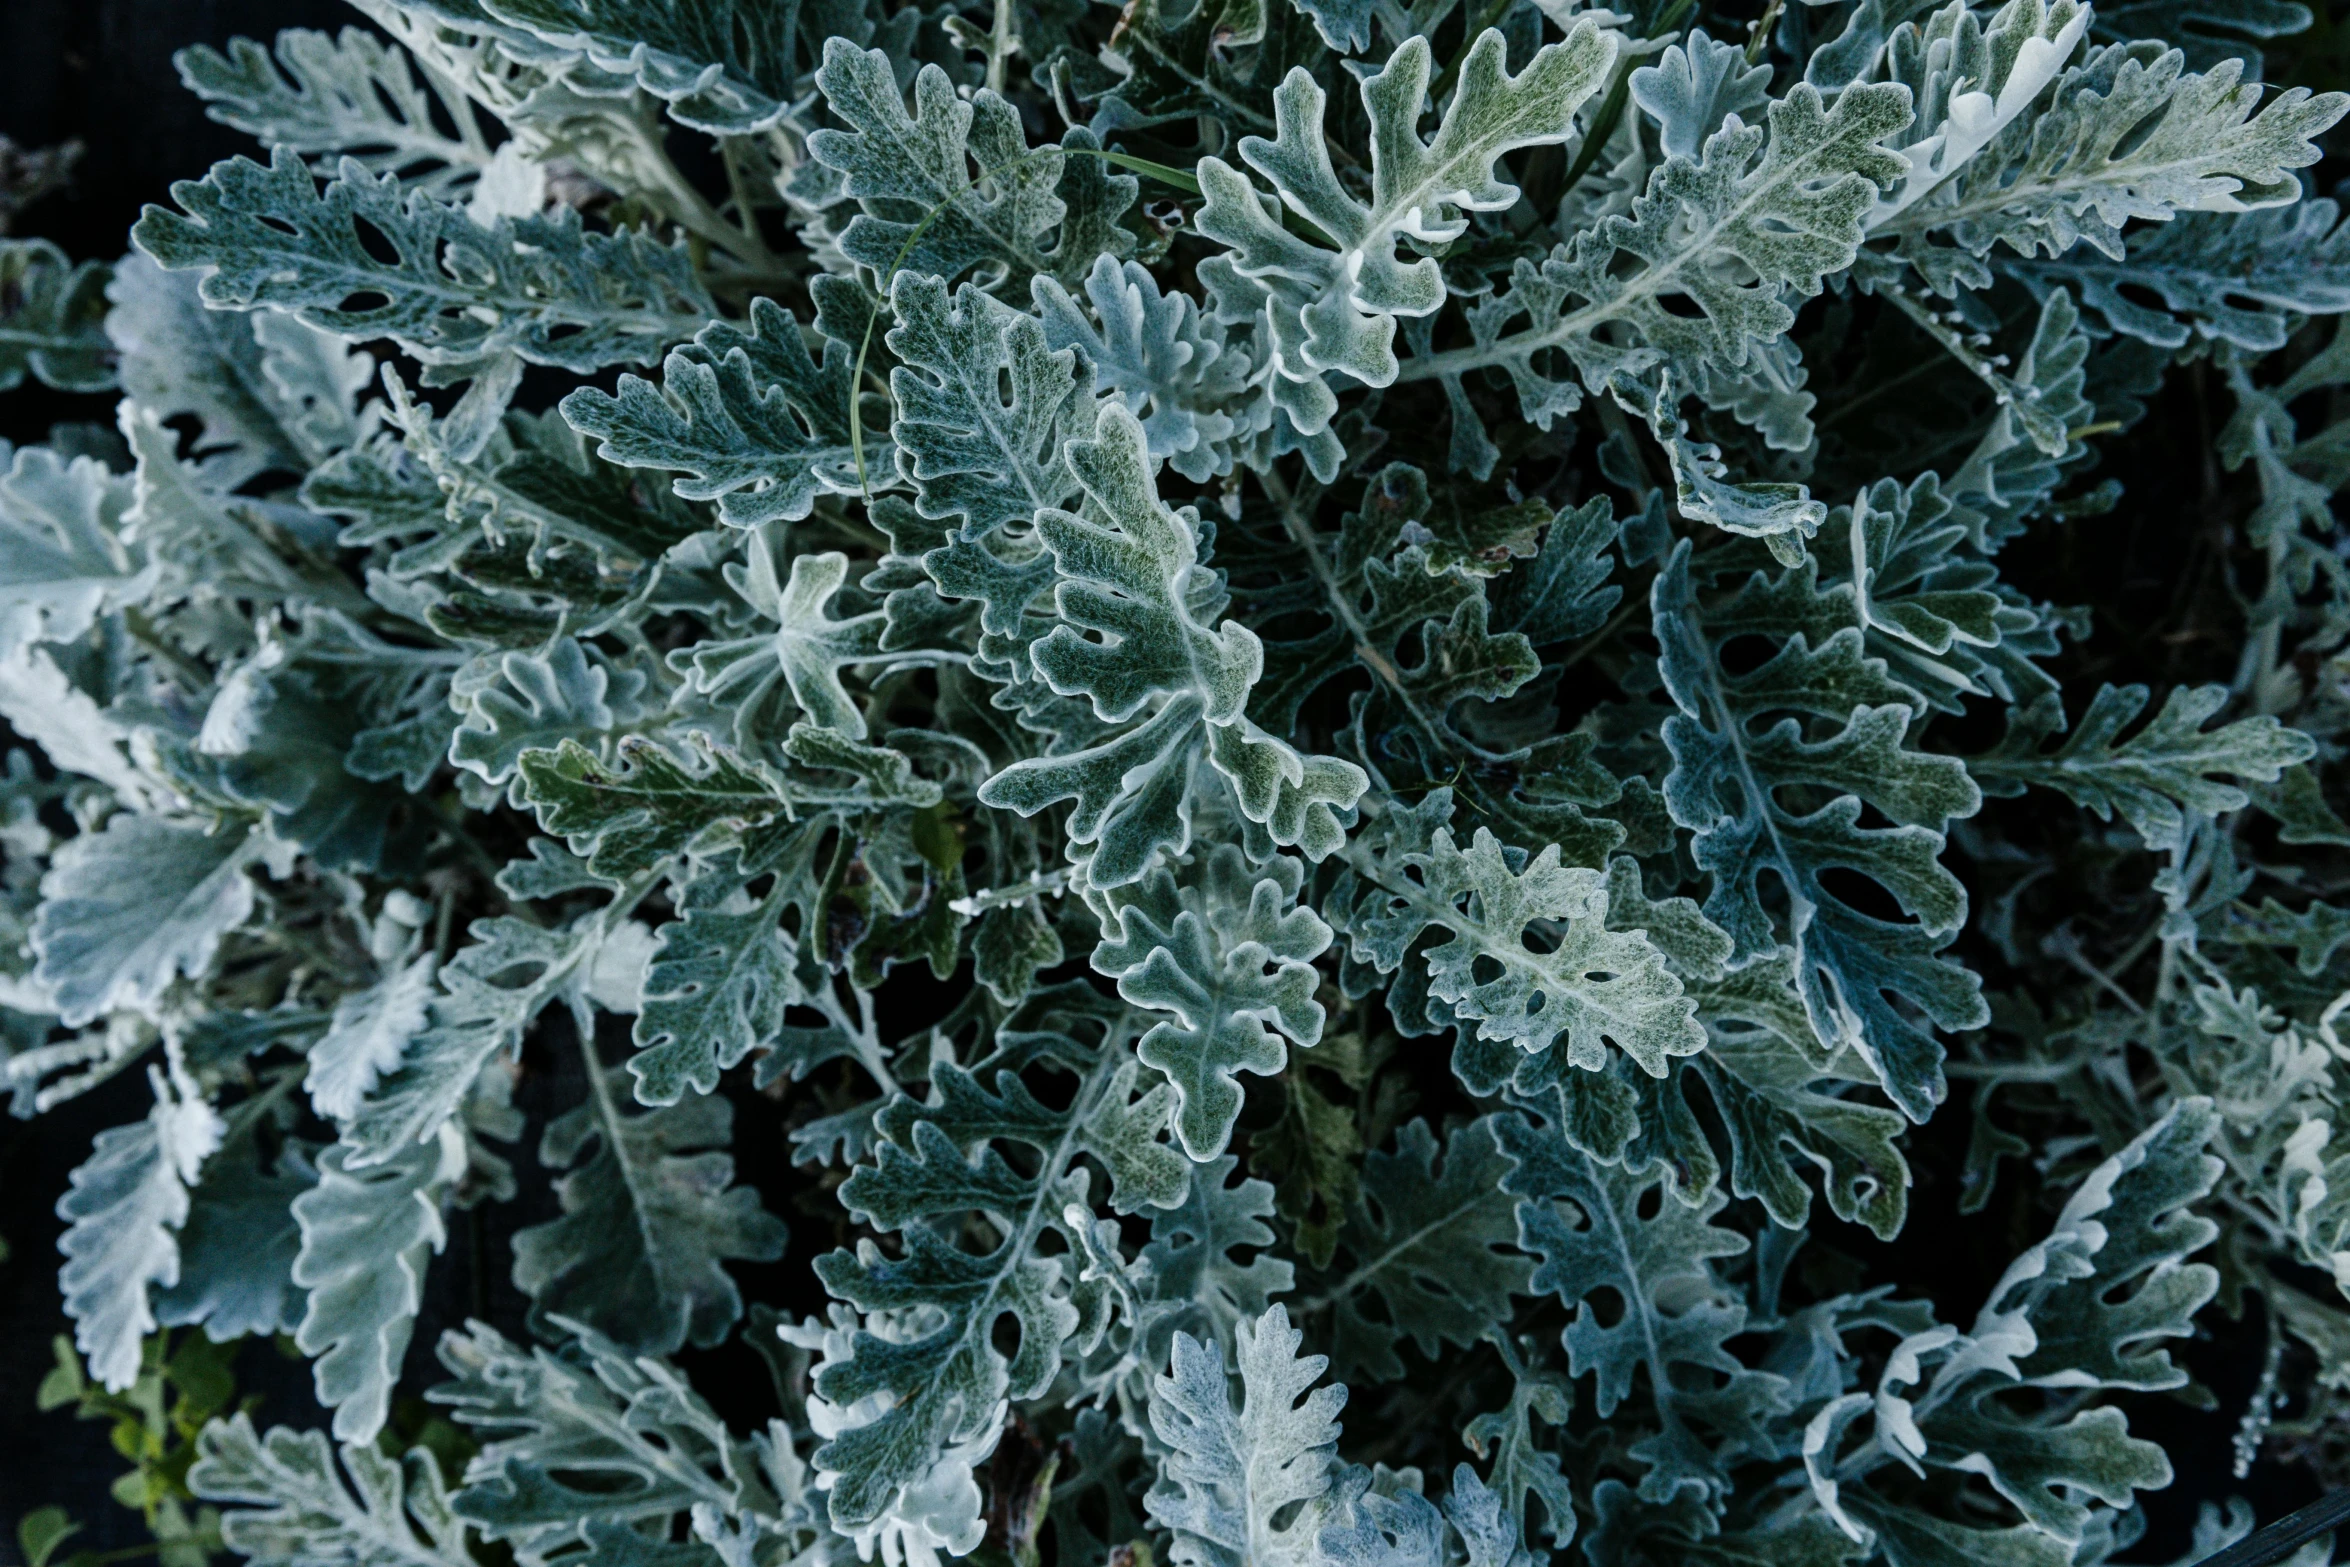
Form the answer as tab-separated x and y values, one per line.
746	214
690	207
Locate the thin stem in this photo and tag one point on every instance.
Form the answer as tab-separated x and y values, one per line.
689	206
1633	603
459	103
2020	1071
1348	614
2066	947
149	636
746	215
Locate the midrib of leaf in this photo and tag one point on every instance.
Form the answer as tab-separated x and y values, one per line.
404	136
1651	281
199	897
272	575
1021	1239
981	396
531	997
742	958
36	339
1603	1212
1758	800
1918	218
561	307
1425	194
464	483
1440	911
616	1129
1348	616
1014	244
1365	1272
387	1530
660	1460
1262	1550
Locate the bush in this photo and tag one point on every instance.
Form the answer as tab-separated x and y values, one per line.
1386	725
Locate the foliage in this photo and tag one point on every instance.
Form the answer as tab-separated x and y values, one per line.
1256	831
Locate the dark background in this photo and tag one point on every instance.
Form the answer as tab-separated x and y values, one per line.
100	71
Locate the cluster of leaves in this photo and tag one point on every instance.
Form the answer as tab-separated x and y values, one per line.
1356	721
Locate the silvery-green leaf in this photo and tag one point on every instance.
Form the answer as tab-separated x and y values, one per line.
299	1512
723	66
1523	1469
1726	768
331	97
128	909
2209	31
720	981
368	1037
1155	670
541	287
649	1218
745	418
1227	958
63	561
1782	514
917	1412
2127	133
1563	594
122	1213
367	1237
1593	1226
488	994
1179	372
969	450
2159	773
2084	1308
2016	466
2244	278
239	1241
1335	308
1423	1243
52	315
44	705
964	160
2314	934
646	805
269	392
807	648
1585	988
1774	209
276	737
1694	86
1191	1251
536	701
587	1437
1244	1486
